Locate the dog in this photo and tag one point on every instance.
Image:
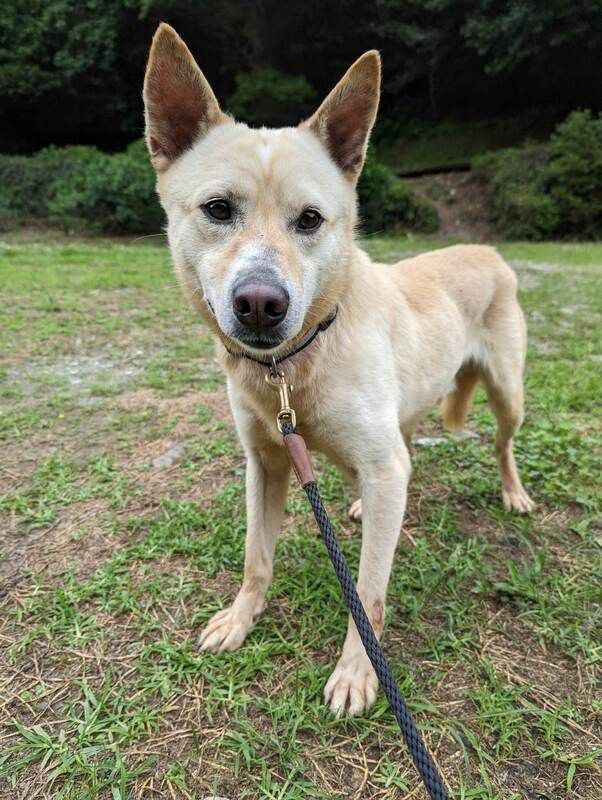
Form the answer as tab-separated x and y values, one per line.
261	227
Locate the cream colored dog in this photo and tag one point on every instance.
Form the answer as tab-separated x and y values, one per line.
261	228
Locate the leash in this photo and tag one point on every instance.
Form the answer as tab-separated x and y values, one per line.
300	460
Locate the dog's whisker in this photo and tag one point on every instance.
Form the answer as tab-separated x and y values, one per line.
149	236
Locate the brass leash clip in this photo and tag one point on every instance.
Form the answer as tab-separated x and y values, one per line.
275	378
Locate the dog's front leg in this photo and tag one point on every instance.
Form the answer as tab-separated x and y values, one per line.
267	479
353	685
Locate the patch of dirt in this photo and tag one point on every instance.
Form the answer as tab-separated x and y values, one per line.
461	203
78	540
79	373
144	399
535	266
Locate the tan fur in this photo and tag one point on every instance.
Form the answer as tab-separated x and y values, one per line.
406	335
457	404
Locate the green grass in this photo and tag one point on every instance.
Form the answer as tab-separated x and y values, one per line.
110	567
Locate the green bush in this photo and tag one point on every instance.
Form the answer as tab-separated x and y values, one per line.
269	97
521	208
387	203
553	190
82	188
26	181
574	175
113	193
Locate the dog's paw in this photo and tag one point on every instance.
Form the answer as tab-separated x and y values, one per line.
226	630
352	687
355	511
517	500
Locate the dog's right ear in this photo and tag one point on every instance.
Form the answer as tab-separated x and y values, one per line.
179	104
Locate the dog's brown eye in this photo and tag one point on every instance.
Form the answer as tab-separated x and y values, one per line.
218	209
309	220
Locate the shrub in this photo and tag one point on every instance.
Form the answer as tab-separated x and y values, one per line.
114	193
81	187
521	209
387	203
25	183
574	175
542	191
268	97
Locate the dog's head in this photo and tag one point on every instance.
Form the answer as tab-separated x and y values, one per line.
260	221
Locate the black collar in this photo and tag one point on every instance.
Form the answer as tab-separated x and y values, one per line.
305	342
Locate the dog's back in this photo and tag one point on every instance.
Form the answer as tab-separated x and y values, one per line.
472	276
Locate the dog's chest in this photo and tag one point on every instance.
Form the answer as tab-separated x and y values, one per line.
310	402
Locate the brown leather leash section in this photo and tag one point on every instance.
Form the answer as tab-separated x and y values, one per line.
299	456
300	460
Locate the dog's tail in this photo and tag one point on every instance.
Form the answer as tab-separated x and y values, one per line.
457	404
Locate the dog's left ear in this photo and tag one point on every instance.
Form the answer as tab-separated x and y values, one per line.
344	120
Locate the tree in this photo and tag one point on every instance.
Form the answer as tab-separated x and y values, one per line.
71	71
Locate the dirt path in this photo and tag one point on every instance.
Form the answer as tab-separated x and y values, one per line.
460	202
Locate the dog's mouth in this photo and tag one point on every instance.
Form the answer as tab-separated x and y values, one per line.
254	342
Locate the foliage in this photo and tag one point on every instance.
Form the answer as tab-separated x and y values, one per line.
472	58
387	203
513	33
542	191
67	55
267	97
25	185
515	176
466	56
81	187
109	192
62	40
574	175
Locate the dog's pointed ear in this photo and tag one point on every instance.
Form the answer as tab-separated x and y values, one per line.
344	120
179	104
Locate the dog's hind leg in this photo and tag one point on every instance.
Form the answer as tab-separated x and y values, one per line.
502	374
508	409
355	509
456	405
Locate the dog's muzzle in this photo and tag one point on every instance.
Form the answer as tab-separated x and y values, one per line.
260	308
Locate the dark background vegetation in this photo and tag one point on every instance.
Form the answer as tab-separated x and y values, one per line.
461	77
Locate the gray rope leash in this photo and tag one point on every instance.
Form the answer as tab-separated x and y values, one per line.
299	456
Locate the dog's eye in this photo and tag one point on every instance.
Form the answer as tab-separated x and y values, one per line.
219	210
309	220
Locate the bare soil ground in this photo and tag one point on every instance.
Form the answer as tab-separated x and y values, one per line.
461	204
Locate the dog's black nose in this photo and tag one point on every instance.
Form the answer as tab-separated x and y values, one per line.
259	305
